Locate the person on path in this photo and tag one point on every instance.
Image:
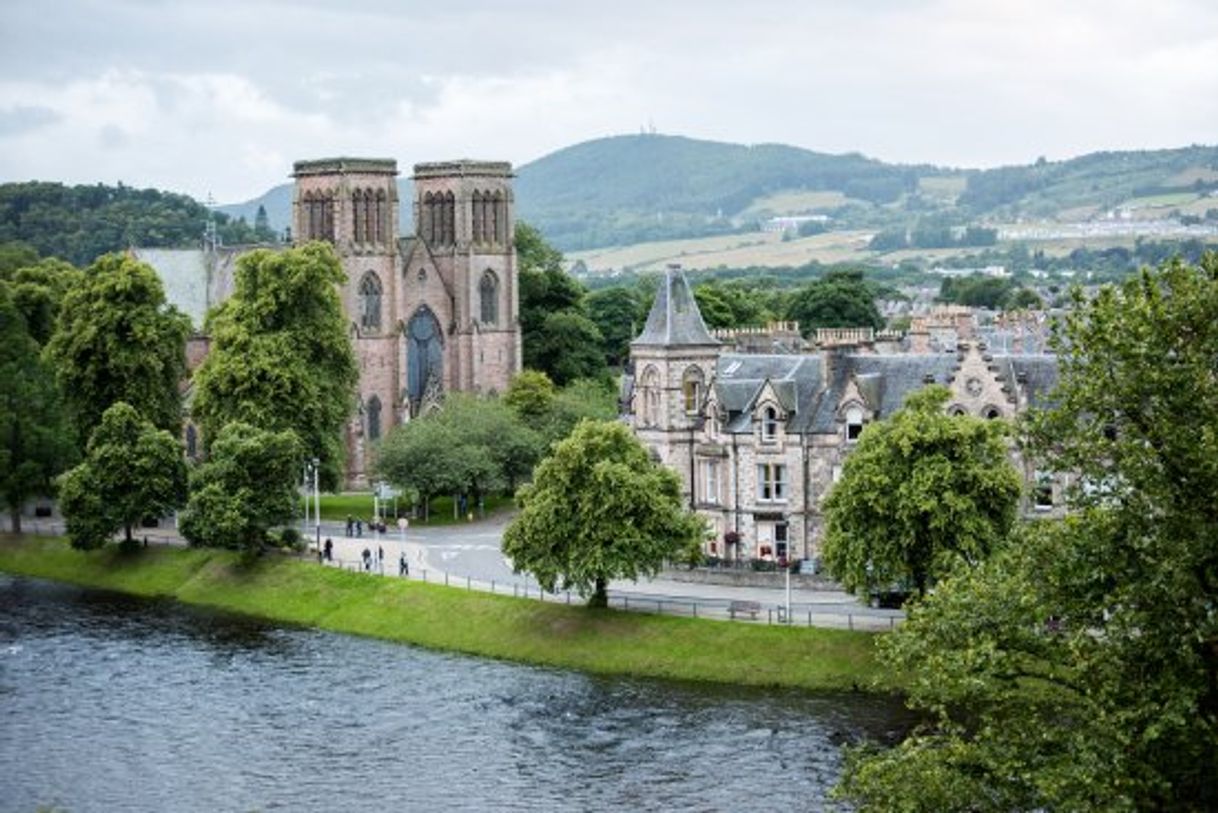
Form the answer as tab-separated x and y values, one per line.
359	527
380	555
367	556
403	568
350	524
329	550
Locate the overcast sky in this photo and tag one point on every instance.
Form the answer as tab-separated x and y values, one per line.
221	96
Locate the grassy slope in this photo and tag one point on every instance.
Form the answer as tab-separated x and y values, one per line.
607	642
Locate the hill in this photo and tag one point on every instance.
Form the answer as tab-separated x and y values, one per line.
79	223
626	190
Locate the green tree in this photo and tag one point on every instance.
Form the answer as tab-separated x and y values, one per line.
839	299
530	395
131	470
583	399
567	347
39	290
599	509
118	339
281	356
35	443
617	314
1078	669
922	492
1024	299
245	487
428	458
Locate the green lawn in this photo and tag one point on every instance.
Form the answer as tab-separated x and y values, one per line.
337	507
291	590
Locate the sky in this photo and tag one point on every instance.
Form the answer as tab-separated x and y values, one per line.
220	97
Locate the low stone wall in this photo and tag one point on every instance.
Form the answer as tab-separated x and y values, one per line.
749	578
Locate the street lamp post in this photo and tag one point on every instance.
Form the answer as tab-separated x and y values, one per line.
316	464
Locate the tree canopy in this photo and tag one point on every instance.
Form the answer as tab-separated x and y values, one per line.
1078	668
281	356
131	470
471	445
38	291
80	223
839	299
118	339
35	443
245	487
598	509
558	337
922	492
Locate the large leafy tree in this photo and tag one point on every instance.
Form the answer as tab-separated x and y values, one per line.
118	339
39	290
923	492
598	509
839	299
131	470
1078	669
618	315
245	487
35	442
281	356
472	446
558	337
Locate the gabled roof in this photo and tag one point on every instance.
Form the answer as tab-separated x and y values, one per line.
675	319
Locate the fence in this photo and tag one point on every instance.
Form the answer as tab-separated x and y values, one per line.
842	616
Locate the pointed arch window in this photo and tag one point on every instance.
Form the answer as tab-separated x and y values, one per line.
378	225
357	215
372	411
488	291
478	219
370	302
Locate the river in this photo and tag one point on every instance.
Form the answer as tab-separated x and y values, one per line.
112	703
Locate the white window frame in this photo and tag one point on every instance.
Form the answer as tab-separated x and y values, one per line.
710	481
772	483
855	411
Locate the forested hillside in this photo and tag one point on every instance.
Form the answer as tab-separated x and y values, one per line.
79	223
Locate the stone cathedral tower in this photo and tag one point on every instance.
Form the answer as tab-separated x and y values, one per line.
429	313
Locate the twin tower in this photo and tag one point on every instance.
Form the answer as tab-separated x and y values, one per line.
429	313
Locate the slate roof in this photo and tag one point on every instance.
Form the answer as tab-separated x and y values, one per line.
811	387
675	319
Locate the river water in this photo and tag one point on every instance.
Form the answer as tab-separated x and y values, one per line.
111	703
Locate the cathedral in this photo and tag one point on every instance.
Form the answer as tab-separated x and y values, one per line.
759	437
431	312
428	313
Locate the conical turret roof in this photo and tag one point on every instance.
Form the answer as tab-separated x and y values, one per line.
675	319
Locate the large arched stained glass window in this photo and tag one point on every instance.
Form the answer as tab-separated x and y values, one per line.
372	411
424	354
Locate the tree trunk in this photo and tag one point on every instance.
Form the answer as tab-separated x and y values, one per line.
15	513
600	595
129	540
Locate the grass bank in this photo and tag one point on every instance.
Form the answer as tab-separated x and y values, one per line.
605	642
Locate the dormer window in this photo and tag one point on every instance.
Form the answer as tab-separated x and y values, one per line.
854	423
769	424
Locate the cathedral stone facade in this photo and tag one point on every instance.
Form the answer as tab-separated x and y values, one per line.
759	438
431	312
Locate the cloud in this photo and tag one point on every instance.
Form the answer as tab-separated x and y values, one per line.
25	118
223	96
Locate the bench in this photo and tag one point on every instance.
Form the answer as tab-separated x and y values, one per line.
750	607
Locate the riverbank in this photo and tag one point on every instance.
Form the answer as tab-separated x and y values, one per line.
295	591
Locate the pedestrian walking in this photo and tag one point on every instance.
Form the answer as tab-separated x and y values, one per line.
350	524
403	568
359	527
380	554
329	550
367	556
